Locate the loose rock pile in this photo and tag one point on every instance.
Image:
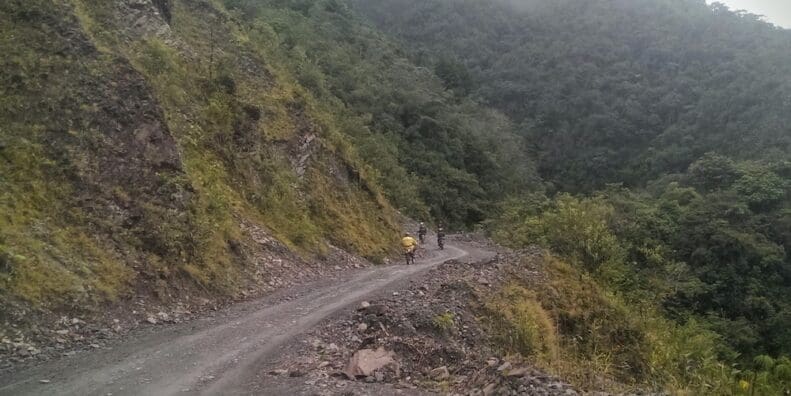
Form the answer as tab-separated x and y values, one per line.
28	336
424	338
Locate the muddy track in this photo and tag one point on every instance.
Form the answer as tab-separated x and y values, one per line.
219	355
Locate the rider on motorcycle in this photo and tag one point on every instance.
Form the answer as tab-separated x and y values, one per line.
409	245
441	236
421	232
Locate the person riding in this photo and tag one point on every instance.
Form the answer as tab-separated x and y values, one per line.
441	236
409	245
421	232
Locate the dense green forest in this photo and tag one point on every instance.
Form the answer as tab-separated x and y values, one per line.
610	91
661	129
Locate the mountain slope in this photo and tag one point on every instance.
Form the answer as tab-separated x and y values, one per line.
430	145
145	144
133	150
612	91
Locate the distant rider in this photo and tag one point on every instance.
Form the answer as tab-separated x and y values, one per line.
421	232
441	236
410	245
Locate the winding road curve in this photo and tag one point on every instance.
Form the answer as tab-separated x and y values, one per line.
218	355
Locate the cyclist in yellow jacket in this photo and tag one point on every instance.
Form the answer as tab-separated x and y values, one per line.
409	245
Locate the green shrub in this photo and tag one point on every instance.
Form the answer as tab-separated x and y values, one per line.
444	322
523	325
577	228
573	327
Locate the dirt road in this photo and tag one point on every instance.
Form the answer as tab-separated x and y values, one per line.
218	355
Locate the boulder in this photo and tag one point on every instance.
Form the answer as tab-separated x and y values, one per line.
488	390
440	373
517	372
366	361
377	310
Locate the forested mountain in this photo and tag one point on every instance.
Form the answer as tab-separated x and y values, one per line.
610	91
671	121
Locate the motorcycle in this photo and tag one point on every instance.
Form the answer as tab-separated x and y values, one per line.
410	256
441	242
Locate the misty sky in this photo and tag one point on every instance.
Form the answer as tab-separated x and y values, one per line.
776	11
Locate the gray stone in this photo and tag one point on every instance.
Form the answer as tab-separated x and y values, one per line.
366	361
488	390
517	372
439	373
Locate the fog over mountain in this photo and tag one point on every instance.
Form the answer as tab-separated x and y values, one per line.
775	11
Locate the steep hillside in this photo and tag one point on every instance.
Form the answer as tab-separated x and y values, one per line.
610	91
145	145
437	153
136	141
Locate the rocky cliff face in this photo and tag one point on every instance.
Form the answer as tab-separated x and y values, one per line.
141	142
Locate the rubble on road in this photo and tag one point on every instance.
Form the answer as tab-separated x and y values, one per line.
425	338
28	337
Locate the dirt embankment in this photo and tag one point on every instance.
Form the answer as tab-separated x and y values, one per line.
385	330
220	353
43	336
427	336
